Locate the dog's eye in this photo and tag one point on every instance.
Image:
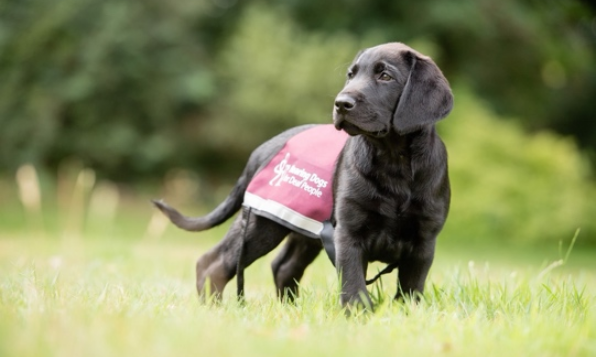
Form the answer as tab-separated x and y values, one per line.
350	75
385	77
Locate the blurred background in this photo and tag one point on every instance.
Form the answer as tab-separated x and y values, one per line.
106	103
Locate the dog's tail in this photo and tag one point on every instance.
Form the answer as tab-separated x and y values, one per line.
232	204
225	210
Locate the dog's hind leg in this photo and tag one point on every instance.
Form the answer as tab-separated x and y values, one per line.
218	266
289	265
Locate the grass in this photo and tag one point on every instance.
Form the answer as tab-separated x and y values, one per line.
110	297
126	292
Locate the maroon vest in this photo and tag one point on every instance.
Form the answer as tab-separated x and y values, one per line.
295	188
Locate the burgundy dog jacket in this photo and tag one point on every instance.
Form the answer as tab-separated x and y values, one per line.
295	188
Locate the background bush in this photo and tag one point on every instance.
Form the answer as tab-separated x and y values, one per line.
511	186
274	76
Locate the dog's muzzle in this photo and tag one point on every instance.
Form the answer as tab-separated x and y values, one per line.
344	104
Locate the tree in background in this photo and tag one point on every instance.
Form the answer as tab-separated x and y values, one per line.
107	82
124	85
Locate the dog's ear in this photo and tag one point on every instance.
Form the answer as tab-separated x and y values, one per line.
426	97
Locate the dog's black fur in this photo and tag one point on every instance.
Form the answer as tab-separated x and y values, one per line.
391	187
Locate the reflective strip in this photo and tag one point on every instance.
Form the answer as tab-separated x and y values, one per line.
283	212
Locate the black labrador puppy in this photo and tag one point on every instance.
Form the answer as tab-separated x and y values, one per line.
391	187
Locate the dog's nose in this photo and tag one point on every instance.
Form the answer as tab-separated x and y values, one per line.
344	103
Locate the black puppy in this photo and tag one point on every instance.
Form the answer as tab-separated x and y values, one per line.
391	187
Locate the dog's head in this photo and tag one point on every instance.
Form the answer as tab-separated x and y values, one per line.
391	87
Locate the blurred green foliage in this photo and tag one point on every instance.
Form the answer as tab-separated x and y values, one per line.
133	89
274	76
103	81
514	187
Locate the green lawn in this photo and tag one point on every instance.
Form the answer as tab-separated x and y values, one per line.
94	295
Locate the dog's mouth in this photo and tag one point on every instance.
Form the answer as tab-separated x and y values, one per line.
349	128
352	129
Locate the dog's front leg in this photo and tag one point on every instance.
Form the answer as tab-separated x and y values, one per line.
414	269
351	267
